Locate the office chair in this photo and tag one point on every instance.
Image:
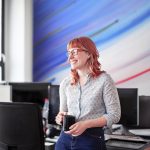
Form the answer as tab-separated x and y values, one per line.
21	127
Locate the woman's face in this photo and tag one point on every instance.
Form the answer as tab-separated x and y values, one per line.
78	58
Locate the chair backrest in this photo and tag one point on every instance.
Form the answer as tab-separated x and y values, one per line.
21	127
144	111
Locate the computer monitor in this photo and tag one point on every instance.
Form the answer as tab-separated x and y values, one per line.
129	106
144	111
33	92
54	102
21	126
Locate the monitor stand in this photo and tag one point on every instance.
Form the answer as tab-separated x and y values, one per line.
120	130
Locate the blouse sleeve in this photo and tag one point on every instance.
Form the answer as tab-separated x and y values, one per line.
112	103
63	97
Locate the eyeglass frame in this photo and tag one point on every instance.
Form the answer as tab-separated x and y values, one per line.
74	51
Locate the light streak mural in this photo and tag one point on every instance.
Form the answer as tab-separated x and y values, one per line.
120	30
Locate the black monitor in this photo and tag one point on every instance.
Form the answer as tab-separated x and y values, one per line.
129	106
144	111
21	126
33	92
53	104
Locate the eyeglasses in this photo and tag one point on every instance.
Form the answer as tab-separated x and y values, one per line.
74	51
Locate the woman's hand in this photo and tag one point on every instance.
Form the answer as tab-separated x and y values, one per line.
78	128
59	117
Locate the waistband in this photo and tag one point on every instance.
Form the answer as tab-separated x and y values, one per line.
97	131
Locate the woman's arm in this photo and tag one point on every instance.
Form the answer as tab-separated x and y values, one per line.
112	103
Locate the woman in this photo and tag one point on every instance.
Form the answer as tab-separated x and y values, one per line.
90	95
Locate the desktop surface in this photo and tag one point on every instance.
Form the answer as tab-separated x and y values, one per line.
123	138
124	142
111	144
121	141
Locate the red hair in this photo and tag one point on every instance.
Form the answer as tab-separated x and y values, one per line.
93	63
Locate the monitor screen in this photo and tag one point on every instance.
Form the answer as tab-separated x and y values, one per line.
129	106
21	126
30	92
144	111
53	103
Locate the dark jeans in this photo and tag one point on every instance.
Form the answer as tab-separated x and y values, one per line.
91	139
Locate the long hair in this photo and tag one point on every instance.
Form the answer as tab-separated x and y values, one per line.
93	63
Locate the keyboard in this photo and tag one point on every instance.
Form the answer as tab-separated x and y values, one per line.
52	139
140	132
125	137
125	144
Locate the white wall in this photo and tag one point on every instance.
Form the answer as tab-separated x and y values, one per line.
18	40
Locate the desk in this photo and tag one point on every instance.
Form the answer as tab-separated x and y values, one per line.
114	144
49	145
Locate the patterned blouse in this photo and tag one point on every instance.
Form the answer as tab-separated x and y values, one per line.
97	97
